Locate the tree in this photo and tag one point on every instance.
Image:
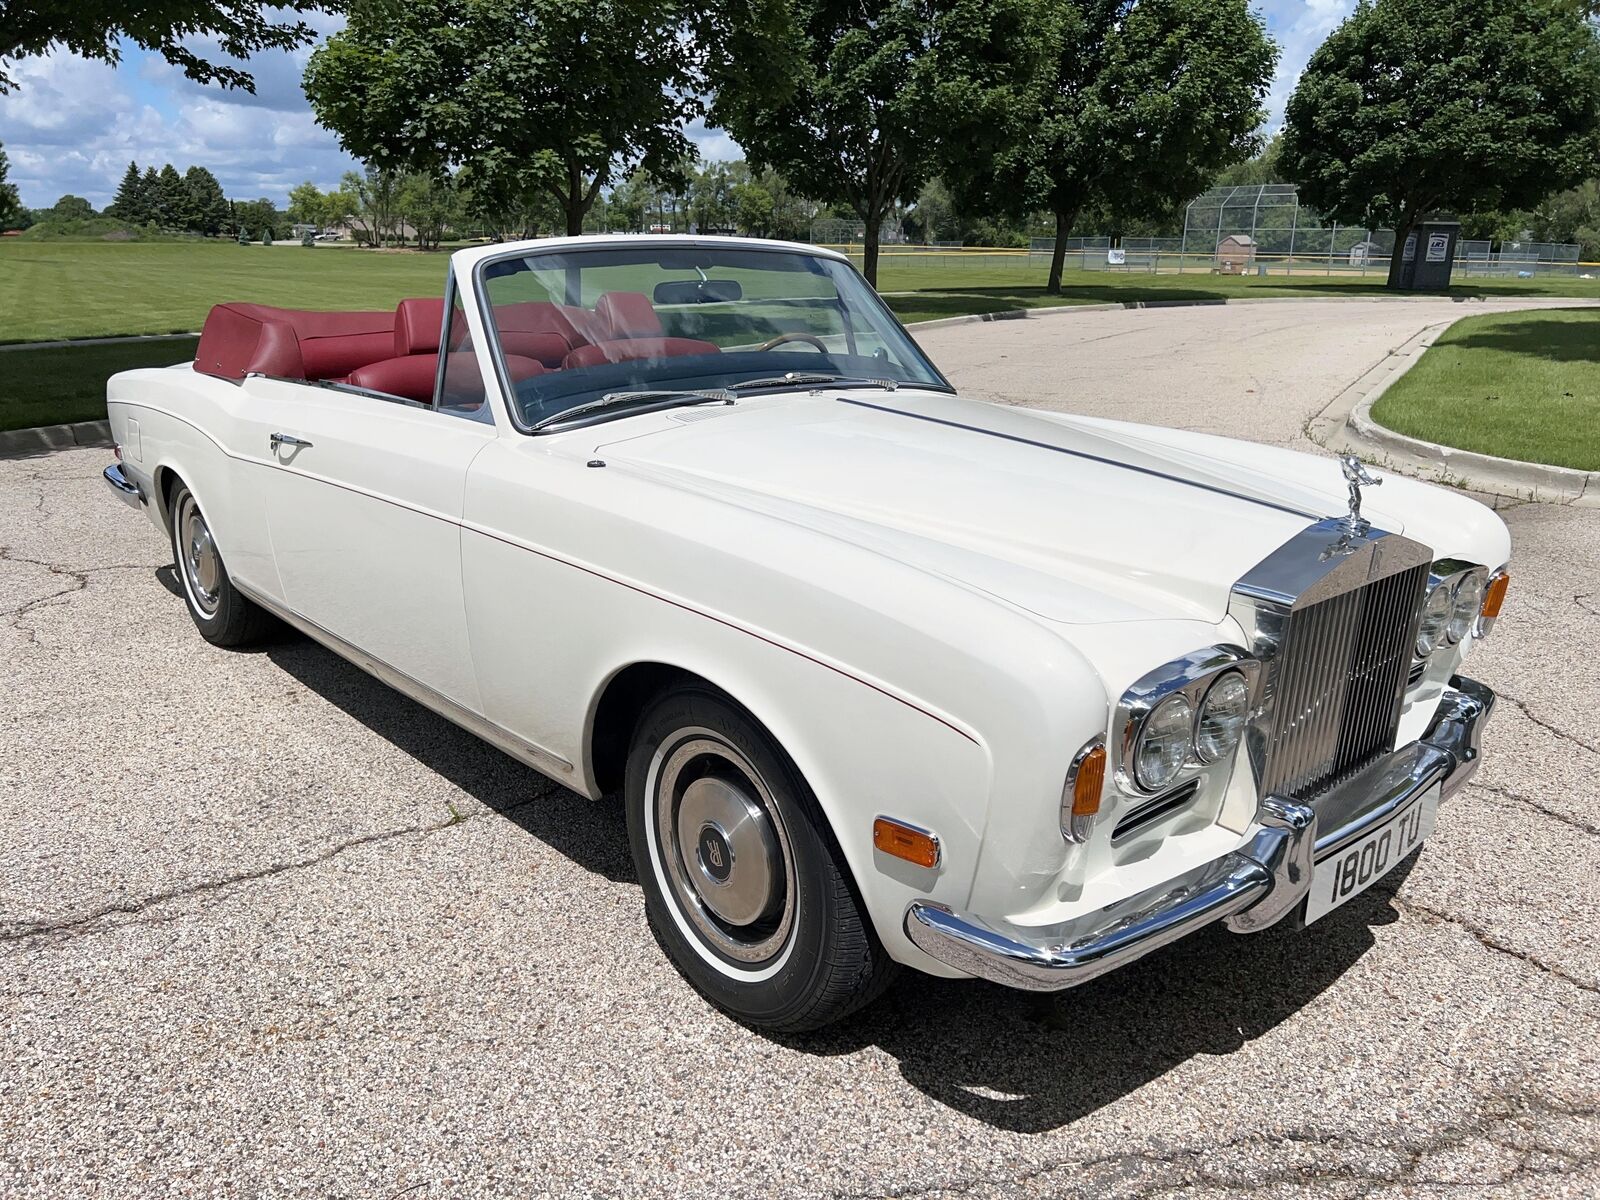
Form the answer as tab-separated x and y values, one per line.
850	99
10	203
529	94
376	213
1416	105
150	189
130	203
172	200
258	216
307	204
429	204
92	28
205	207
72	208
1141	104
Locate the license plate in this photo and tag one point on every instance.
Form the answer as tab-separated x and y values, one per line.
1361	864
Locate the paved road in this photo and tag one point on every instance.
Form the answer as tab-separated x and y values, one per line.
268	929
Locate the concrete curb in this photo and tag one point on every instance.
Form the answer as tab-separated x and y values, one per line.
64	343
1347	425
46	439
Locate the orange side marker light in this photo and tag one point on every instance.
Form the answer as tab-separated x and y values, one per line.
900	840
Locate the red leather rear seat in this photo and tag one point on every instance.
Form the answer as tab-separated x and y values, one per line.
291	343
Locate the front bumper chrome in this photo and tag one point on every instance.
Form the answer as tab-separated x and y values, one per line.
1251	888
122	487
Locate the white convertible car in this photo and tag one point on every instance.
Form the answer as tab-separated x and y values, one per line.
884	675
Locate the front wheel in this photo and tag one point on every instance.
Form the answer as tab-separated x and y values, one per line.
743	884
222	614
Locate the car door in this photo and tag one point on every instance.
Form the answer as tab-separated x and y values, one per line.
364	498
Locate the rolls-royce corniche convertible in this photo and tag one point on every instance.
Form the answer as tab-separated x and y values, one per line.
883	675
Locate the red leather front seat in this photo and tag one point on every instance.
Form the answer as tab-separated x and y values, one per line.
628	315
412	376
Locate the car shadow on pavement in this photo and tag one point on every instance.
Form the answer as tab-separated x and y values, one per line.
593	835
1028	1063
1018	1061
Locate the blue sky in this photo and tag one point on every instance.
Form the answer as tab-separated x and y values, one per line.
73	125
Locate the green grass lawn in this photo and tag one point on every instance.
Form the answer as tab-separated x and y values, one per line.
55	386
1515	385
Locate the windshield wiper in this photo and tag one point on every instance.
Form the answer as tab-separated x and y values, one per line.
660	399
808	377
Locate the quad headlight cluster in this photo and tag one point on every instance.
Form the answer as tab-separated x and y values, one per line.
1177	730
1458	606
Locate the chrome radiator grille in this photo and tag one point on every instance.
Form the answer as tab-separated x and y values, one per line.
1340	678
1332	616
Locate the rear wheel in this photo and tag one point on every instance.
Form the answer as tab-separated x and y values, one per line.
743	884
222	614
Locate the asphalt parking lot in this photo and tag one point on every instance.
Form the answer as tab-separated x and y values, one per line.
269	929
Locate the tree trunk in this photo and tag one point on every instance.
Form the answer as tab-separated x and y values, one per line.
869	252
1065	220
1397	266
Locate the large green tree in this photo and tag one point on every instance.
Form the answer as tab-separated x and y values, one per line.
1416	105
1138	108
93	29
130	204
10	202
852	99
559	96
205	207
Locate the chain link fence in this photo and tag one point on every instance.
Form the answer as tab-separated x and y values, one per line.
1255	229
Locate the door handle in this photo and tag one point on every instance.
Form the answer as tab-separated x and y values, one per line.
284	439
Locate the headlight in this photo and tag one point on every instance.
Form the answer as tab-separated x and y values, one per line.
1464	611
1435	616
1163	743
1222	716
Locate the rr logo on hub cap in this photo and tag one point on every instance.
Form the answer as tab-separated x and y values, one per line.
715	856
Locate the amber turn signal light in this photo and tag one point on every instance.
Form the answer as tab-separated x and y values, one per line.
900	840
1495	595
1089	782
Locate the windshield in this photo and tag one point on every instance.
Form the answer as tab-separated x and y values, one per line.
581	325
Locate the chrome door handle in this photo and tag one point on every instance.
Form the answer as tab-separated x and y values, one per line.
284	439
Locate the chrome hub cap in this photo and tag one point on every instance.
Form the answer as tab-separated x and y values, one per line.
202	568
723	846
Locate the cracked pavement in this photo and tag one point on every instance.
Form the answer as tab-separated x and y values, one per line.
269	929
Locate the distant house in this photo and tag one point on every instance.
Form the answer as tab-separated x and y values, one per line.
1236	254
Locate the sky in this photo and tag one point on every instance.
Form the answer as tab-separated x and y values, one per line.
72	125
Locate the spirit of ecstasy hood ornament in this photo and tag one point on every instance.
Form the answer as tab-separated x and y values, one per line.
1357	476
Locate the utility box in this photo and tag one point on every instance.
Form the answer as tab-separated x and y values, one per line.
1428	255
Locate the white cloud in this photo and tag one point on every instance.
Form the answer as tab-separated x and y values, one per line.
1298	26
73	125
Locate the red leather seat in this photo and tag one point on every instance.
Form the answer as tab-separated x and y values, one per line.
289	343
629	349
417	324
412	376
537	329
628	315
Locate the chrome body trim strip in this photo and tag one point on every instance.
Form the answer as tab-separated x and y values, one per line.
1256	886
122	487
546	762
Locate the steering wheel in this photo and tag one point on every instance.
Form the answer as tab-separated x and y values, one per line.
814	342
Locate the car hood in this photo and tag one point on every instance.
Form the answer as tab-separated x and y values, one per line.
1072	519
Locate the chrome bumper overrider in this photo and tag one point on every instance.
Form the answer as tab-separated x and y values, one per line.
123	487
1253	887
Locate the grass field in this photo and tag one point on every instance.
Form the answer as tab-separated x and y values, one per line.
1515	385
